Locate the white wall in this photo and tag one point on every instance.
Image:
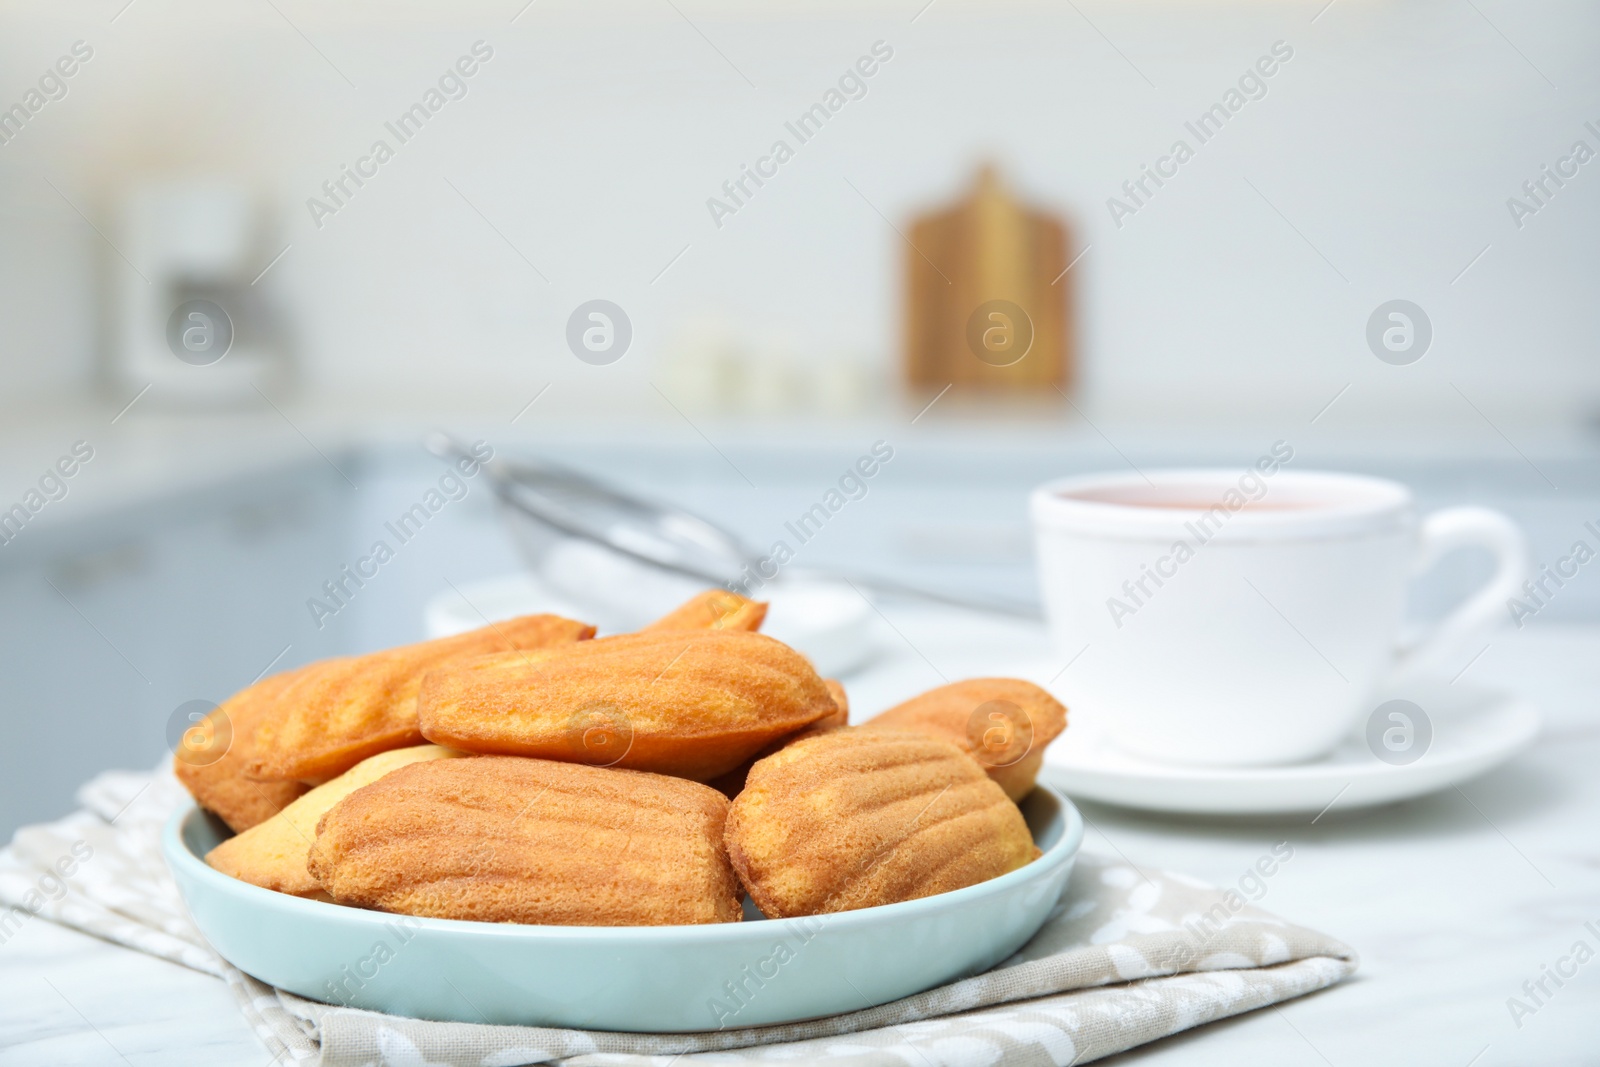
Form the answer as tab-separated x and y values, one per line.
594	136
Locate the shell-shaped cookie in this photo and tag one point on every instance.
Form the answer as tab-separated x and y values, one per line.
212	767
714	609
338	712
1003	723
841	702
690	703
731	783
272	854
509	839
854	818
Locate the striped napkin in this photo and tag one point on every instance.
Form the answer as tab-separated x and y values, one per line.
1128	956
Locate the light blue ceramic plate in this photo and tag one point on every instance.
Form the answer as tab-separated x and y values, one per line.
650	978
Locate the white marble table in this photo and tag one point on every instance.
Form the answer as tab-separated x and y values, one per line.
1453	901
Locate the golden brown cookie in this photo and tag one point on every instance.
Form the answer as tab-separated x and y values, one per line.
218	782
272	854
732	783
694	704
854	818
339	712
1003	723
507	839
840	701
714	609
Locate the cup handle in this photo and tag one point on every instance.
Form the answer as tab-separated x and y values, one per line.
1443	532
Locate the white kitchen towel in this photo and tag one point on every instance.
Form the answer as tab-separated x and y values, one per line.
1127	957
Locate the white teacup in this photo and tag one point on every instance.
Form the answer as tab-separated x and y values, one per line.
1239	618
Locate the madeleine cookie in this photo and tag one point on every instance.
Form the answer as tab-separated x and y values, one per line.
506	839
339	712
841	717
853	819
714	609
210	759
1003	723
732	783
694	704
272	854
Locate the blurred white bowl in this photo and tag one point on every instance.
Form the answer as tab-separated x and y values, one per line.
827	621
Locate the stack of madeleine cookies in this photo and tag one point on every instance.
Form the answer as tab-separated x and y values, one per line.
530	772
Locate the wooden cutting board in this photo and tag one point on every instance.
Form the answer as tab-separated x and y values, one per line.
988	302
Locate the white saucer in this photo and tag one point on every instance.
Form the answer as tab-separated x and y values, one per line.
1474	729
